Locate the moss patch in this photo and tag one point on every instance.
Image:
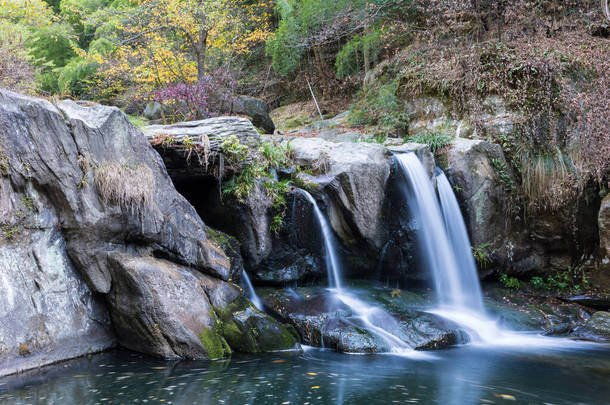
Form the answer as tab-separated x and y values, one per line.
215	345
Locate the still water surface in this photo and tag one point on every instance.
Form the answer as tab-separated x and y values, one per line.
464	375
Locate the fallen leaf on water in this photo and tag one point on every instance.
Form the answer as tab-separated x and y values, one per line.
312	373
159	368
506	396
315	387
278	361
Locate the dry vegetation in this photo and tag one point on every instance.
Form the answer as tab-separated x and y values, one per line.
131	186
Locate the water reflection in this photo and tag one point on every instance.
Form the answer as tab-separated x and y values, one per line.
467	375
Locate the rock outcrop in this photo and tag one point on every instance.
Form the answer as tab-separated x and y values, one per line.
496	219
352	183
81	173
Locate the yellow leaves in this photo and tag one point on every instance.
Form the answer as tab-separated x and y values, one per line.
315	387
278	361
312	373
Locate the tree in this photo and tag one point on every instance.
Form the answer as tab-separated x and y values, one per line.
177	34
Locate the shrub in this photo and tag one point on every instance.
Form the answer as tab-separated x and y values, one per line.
436	140
206	98
481	256
130	185
510	282
380	107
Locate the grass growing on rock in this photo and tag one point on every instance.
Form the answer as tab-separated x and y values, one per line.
130	185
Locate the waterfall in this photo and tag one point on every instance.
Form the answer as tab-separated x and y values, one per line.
330	256
451	285
251	293
373	319
458	237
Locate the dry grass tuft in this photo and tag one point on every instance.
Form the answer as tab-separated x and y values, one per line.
129	185
548	181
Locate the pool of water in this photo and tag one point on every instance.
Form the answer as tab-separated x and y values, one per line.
464	375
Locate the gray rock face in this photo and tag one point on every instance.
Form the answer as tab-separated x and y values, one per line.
47	312
79	181
437	115
353	179
486	184
485	195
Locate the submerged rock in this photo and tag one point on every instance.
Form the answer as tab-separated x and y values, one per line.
324	320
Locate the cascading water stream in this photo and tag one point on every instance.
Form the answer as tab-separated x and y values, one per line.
460	242
373	319
330	255
436	249
251	293
445	247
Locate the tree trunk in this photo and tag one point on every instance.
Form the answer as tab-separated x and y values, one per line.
201	47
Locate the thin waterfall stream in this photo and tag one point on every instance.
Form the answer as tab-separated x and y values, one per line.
251	293
374	319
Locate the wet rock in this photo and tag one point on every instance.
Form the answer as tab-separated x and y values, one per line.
599	302
522	312
323	320
249	330
559	330
597	328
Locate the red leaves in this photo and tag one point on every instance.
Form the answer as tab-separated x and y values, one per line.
204	99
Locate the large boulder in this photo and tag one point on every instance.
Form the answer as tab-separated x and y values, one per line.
484	181
351	185
492	206
257	110
97	184
47	312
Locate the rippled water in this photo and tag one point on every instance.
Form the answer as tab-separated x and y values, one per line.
465	375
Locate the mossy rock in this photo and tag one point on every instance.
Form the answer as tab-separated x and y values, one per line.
249	330
215	345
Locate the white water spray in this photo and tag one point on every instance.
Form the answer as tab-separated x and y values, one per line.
251	293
